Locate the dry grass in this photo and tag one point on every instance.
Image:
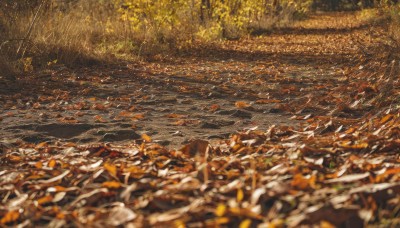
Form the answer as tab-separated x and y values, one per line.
89	32
86	32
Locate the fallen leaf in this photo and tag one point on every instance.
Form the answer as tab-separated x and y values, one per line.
245	223
120	215
197	146
220	210
111	184
349	178
111	169
10	216
146	138
242	104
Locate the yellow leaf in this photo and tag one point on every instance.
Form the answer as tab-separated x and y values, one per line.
220	210
241	104
245	223
10	216
216	222
112	169
361	145
179	224
239	195
146	138
111	184
276	223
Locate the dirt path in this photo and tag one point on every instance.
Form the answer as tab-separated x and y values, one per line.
208	94
332	160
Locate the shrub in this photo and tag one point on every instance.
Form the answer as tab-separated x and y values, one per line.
78	32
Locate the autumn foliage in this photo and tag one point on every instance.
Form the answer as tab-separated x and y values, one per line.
207	114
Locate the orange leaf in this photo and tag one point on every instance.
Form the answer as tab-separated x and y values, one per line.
146	138
325	224
125	114
41	145
214	107
60	215
39	165
45	199
358	146
241	104
111	184
350	130
300	182
137	116
14	158
52	163
99	119
180	123
174	115
386	118
10	216
56	189
112	169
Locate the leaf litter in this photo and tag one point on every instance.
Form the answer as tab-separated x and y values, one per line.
340	166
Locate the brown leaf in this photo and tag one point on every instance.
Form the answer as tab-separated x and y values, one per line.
195	147
267	101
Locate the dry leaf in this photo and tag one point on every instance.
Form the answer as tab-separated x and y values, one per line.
242	104
111	169
111	184
10	216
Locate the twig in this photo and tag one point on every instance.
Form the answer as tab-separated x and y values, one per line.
28	34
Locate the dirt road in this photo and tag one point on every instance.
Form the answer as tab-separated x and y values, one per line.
208	93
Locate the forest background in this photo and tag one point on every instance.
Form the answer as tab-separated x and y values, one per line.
38	33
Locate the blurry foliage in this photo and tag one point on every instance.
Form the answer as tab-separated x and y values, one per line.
79	32
205	19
